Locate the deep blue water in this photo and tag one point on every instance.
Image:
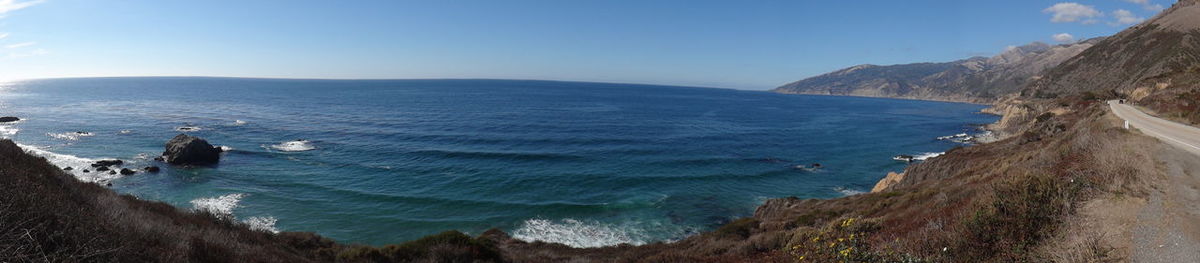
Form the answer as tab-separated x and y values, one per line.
582	163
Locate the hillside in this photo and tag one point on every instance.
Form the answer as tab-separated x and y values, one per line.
1156	64
978	79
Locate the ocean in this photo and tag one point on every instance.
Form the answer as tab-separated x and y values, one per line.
386	161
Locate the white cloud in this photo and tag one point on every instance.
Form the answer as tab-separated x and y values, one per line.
20	45
1147	5
12	5
1124	17
1063	38
3	35
1072	12
35	52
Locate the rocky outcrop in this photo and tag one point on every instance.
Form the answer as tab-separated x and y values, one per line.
190	150
106	163
9	119
892	179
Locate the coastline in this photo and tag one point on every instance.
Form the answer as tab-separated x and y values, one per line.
967	100
992	132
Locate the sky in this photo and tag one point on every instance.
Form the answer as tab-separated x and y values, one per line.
728	44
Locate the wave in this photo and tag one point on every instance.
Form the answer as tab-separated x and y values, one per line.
580	234
847	191
294	146
925	156
221	206
262	223
7	131
225	148
125	132
188	128
78	163
239	122
72	136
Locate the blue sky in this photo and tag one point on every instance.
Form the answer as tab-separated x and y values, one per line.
732	44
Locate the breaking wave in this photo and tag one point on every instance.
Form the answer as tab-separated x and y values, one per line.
221	206
294	146
925	156
78	164
580	234
73	136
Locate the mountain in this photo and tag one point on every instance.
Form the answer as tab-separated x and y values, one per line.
976	79
1155	63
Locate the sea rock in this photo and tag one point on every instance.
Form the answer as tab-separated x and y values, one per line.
68	168
86	171
102	168
185	150
891	179
104	163
112	172
126	171
151	169
9	119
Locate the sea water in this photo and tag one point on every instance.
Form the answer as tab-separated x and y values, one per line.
386	161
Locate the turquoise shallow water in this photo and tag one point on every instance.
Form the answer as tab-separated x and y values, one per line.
586	164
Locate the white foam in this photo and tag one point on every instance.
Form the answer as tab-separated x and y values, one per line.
221	206
578	234
73	136
924	156
848	192
125	132
188	128
239	122
7	131
225	148
294	146
262	223
77	164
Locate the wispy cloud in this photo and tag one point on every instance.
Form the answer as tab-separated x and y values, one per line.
1146	4
3	35
1063	38
20	45
31	53
1125	17
12	5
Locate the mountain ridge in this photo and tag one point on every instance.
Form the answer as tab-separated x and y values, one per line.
974	80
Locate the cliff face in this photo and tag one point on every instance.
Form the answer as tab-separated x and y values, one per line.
978	79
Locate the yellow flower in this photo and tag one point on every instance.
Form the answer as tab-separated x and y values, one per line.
831	244
851	236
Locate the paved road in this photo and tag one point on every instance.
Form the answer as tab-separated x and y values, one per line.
1183	136
1166	228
